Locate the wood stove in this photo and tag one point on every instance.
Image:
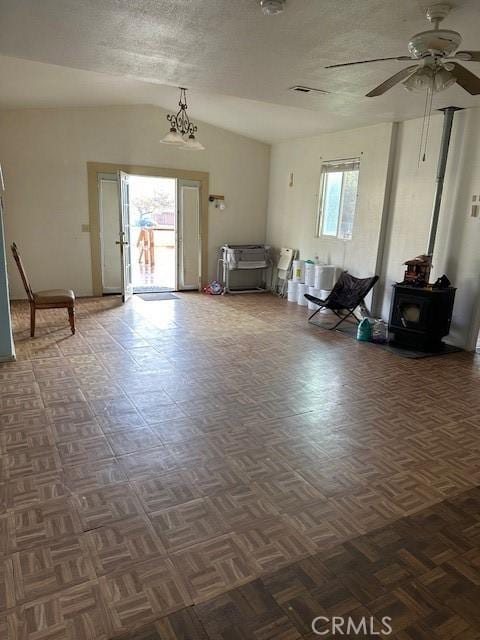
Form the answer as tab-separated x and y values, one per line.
420	316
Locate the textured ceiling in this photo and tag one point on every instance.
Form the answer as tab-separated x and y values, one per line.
227	49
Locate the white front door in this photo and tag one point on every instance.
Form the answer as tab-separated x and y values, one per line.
125	237
188	235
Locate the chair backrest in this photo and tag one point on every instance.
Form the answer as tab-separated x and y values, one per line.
349	291
23	274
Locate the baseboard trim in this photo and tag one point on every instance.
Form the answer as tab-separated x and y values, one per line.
11	358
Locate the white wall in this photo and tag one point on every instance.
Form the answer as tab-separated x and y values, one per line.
44	154
292	210
404	204
457	251
411	203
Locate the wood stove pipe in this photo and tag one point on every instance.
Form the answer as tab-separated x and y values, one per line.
448	113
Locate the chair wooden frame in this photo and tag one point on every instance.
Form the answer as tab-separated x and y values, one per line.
45	304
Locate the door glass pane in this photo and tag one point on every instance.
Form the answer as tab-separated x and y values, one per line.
189	226
332	196
350	185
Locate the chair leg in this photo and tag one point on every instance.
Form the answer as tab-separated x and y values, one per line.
343	318
314	314
71	318
32	320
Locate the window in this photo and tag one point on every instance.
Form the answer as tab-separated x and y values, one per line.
338	198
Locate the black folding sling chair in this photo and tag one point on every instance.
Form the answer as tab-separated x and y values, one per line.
347	294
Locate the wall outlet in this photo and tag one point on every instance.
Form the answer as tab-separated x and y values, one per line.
475	211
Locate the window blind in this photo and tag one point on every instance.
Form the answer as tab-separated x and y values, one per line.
348	164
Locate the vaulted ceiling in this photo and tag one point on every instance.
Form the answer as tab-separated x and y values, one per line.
237	63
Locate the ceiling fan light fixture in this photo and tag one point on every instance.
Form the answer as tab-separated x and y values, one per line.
419	80
272	7
443	79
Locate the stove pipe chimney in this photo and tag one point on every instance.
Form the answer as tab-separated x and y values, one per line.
448	113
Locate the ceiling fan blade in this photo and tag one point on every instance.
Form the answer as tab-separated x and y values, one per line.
349	64
466	79
468	56
392	81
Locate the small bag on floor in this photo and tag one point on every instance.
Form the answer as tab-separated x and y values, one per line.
364	331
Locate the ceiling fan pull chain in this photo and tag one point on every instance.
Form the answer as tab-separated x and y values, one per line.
420	146
429	95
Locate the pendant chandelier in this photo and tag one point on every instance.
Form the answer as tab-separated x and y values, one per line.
181	127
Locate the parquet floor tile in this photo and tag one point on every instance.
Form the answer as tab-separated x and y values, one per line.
273	543
46	569
72	614
181	625
287	491
33	490
215	566
129	441
246	612
42	524
166	491
148	464
85	450
115	546
70	431
26	438
21	463
142	593
218	476
221	451
93	475
107	504
187	524
241	506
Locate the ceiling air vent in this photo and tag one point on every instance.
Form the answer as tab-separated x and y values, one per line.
299	88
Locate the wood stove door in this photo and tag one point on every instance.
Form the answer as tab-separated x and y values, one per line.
409	312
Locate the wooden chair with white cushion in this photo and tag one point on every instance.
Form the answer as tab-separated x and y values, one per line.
51	299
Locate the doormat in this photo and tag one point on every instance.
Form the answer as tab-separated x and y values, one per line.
349	329
148	297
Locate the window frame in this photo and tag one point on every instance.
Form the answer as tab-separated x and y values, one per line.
344	165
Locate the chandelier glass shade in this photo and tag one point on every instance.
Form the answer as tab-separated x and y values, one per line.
182	129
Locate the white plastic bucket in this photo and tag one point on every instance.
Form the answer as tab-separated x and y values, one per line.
302	289
323	296
313	292
298	271
292	292
309	274
324	276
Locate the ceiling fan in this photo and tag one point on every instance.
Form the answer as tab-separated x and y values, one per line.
436	65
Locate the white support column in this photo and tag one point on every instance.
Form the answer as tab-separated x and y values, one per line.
7	349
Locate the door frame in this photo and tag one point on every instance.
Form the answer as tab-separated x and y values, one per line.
94	168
